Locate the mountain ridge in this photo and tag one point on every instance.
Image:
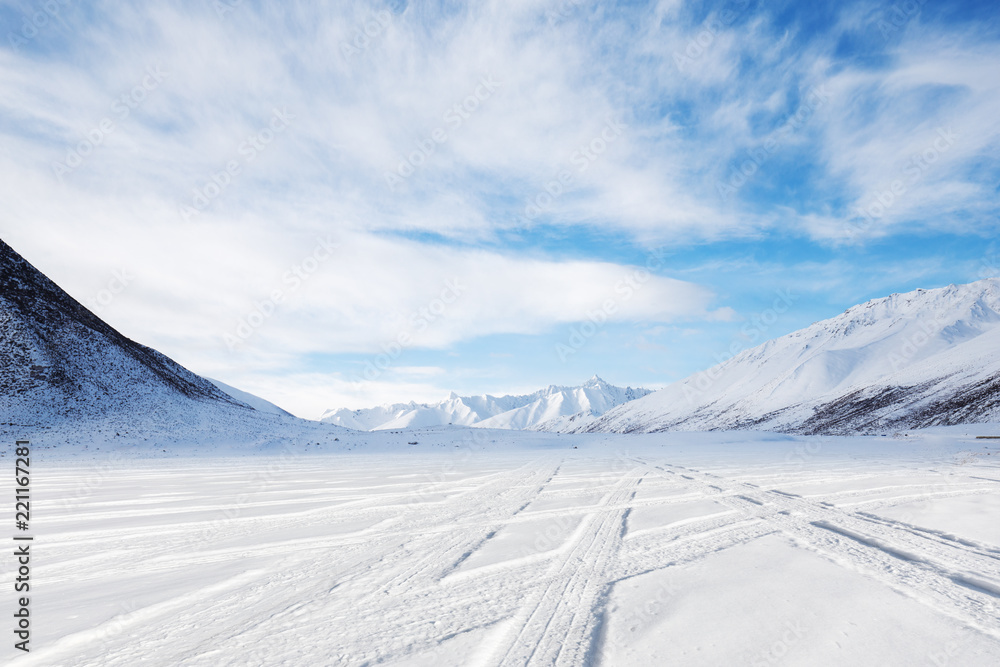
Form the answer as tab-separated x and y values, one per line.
594	397
59	358
69	378
921	358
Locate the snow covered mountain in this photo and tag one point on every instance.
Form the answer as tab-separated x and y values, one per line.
63	369
554	405
924	358
59	359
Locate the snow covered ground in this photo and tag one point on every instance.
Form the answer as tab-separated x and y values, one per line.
514	548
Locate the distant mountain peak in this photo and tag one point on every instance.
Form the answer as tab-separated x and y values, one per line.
546	406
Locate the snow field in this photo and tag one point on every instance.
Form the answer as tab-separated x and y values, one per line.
693	550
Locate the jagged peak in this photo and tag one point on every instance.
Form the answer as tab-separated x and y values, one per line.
472	410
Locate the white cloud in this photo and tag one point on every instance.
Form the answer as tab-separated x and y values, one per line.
199	285
357	117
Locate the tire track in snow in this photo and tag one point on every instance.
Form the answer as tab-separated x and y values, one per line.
948	577
299	587
373	587
556	624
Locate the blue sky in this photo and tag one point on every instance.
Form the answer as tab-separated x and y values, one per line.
343	204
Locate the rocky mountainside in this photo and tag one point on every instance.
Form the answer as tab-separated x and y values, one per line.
70	381
59	359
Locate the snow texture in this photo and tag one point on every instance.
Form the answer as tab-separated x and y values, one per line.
498	548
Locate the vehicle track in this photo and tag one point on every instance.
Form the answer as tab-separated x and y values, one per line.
959	580
555	624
